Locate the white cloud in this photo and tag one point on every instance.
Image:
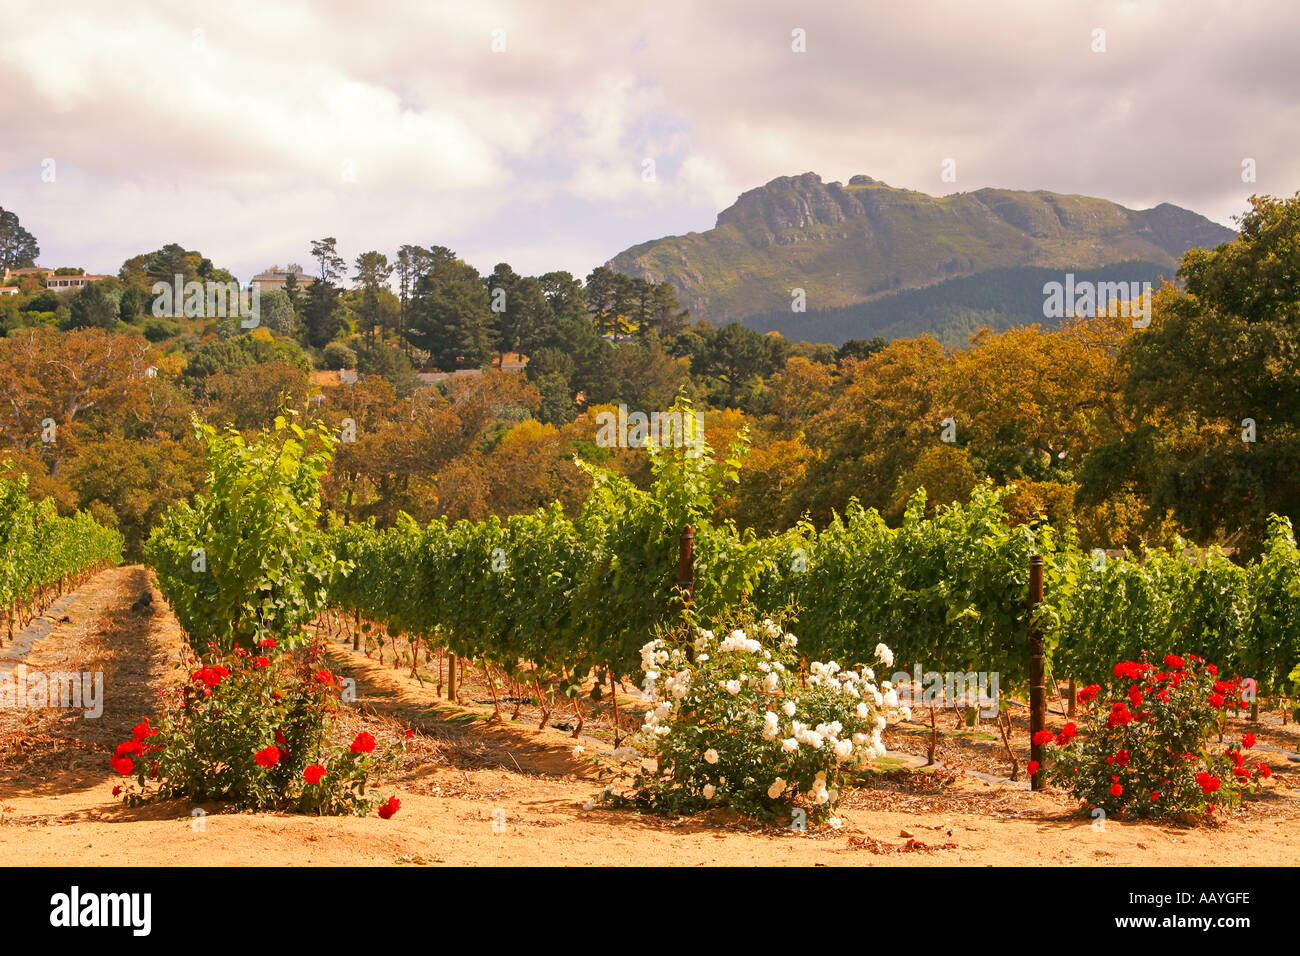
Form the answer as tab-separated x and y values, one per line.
235	139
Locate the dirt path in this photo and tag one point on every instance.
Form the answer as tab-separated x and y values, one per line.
474	792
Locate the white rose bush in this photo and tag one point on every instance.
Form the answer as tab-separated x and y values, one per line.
739	722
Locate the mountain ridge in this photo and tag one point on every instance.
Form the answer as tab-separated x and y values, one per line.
848	244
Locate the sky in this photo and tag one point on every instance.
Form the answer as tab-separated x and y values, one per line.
521	132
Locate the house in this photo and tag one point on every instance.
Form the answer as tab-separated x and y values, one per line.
274	278
9	290
62	283
26	271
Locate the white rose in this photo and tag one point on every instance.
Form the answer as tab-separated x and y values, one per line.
885	655
777	788
710	756
708	791
790	744
788	708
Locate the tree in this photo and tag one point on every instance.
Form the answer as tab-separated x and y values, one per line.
610	301
450	312
1224	350
373	273
18	248
860	348
738	357
519	308
277	311
322	312
91	308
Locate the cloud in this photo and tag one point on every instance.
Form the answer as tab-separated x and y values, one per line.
246	130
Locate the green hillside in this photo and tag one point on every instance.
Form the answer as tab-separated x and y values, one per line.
951	311
845	245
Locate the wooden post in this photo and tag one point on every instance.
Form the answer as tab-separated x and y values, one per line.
686	567
1037	686
686	578
451	678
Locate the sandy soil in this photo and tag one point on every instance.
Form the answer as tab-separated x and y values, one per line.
478	792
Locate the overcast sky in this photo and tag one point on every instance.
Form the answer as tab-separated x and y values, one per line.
247	128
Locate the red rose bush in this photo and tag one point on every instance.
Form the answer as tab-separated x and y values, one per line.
1155	749
253	731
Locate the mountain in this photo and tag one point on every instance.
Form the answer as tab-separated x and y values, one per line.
849	245
953	310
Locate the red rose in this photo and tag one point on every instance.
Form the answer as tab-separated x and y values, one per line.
1043	737
410	733
1032	767
388	809
1122	758
313	773
127	748
123	765
1069	730
142	730
324	677
1212	669
1155	794
1208	782
262	662
1216	700
279	739
363	744
1088	693
266	642
1116	789
1264	770
1174	662
117	791
1135	696
268	756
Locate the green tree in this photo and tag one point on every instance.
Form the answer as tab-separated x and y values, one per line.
373	273
738	358
519	308
450	312
18	248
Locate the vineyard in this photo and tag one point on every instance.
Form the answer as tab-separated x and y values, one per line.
563	607
947	592
643	607
42	554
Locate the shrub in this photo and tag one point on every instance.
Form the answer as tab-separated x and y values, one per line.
1152	750
337	355
156	330
741	725
251	729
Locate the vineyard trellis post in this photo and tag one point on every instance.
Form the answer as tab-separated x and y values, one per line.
686	577
1037	683
686	567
